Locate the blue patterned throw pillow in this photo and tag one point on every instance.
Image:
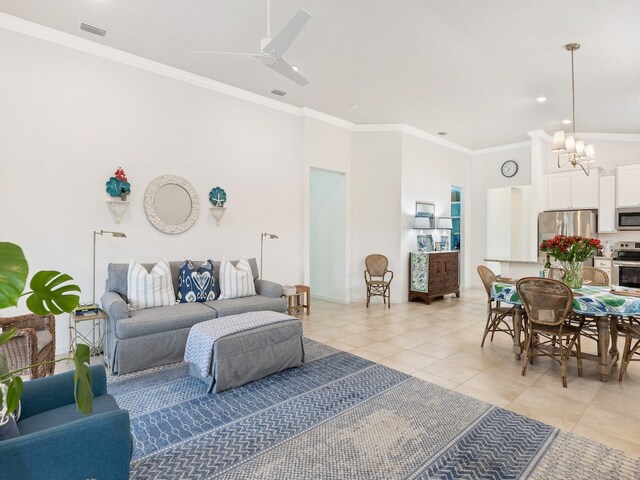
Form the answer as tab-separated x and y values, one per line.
196	285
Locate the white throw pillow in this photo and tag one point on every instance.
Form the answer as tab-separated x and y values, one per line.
150	289
236	282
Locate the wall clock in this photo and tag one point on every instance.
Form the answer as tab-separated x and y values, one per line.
509	168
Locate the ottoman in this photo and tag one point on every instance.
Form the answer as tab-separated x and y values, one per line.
230	351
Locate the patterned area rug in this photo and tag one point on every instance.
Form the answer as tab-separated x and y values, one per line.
343	417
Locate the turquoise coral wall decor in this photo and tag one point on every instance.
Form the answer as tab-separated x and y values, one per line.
217	197
118	185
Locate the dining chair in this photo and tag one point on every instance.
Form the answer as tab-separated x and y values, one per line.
496	315
557	273
33	343
596	276
630	328
547	303
375	276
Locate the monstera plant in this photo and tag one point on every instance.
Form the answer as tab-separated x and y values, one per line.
50	292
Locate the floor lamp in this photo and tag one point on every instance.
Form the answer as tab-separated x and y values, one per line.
262	236
101	233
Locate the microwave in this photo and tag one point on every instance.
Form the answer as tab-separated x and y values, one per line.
628	218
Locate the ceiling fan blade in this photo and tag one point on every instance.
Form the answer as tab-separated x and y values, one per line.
281	42
206	52
283	68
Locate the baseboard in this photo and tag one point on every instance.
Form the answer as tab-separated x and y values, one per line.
329	299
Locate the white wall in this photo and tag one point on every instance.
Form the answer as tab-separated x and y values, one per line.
429	171
376	159
327	247
69	119
486	174
327	147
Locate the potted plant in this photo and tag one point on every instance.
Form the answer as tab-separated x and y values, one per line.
50	292
571	252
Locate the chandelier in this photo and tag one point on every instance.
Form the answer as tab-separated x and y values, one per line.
566	145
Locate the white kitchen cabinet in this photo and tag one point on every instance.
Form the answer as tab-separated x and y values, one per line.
607	204
572	190
628	187
604	264
559	191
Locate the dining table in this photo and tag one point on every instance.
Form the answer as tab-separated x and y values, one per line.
595	304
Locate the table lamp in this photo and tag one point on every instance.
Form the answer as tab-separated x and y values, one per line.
425	242
444	223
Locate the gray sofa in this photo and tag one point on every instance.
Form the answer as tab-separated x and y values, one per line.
151	337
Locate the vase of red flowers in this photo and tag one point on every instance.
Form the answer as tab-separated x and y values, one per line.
571	252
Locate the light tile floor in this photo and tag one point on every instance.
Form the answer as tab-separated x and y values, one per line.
440	343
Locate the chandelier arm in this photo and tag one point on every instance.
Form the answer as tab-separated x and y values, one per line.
583	169
562	165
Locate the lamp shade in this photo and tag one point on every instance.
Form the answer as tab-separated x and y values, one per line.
422	223
559	142
580	149
590	151
444	223
570	144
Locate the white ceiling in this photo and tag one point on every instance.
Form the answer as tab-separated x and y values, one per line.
467	67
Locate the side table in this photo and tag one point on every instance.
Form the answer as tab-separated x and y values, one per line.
304	289
92	339
294	303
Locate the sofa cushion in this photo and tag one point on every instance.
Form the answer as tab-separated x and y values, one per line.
163	319
255	303
148	289
236	281
195	284
63	415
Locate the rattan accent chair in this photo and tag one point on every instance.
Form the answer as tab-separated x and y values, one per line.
557	273
547	303
597	276
34	342
375	277
630	327
497	315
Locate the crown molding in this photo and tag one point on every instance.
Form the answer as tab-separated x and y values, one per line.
326	118
378	127
502	148
540	134
416	132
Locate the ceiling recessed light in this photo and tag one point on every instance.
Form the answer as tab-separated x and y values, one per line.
296	68
566	121
442	133
280	93
541	99
354	106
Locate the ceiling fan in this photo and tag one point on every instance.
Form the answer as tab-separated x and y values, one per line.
272	49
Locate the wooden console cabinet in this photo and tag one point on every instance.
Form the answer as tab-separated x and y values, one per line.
432	275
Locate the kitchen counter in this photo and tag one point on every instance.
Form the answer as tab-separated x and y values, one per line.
508	260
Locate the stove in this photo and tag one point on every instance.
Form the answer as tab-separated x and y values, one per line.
626	264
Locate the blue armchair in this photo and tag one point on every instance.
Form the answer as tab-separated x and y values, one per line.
58	442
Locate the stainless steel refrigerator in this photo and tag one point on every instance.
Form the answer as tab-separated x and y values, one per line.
566	222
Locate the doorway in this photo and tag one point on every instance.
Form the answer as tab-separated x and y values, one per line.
327	235
456	230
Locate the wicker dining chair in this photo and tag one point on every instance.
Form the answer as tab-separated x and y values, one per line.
497	315
34	342
597	276
630	328
557	273
375	277
548	304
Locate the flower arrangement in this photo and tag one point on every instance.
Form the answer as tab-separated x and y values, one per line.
118	185
571	252
571	248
